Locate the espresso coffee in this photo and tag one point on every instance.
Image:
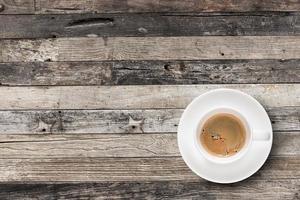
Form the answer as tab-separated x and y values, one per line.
223	135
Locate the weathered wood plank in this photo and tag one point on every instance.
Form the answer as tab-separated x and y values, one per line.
150	72
136	97
16	7
178	190
74	6
106	121
117	121
94	145
48	26
127	169
151	48
114	145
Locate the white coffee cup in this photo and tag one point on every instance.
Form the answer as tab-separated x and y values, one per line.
251	135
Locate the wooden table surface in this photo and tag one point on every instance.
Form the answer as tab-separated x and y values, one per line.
92	91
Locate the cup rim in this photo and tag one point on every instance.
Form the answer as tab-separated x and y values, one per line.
216	159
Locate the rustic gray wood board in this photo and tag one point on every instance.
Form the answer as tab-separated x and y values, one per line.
16	7
150	72
115	6
178	190
73	25
86	169
136	97
117	121
91	92
151	48
114	145
74	6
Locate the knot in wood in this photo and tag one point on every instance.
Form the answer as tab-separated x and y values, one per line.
2	7
135	125
176	69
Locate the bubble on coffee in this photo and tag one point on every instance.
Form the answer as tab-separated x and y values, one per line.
223	135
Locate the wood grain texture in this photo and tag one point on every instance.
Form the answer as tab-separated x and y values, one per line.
117	121
151	48
95	145
178	190
74	6
150	72
128	169
16	7
136	97
114	145
91	25
92	101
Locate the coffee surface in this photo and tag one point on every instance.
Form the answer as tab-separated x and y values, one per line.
223	135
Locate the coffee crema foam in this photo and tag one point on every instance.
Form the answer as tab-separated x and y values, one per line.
223	135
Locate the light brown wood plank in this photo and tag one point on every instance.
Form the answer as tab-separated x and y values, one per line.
16	7
74	6
175	190
80	146
115	145
151	48
150	72
127	169
117	121
136	97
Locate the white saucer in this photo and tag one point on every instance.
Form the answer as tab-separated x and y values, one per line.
238	170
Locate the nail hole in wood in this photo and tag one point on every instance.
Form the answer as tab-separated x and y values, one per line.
167	67
59	111
43	130
133	127
181	66
222	54
273	122
48	60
